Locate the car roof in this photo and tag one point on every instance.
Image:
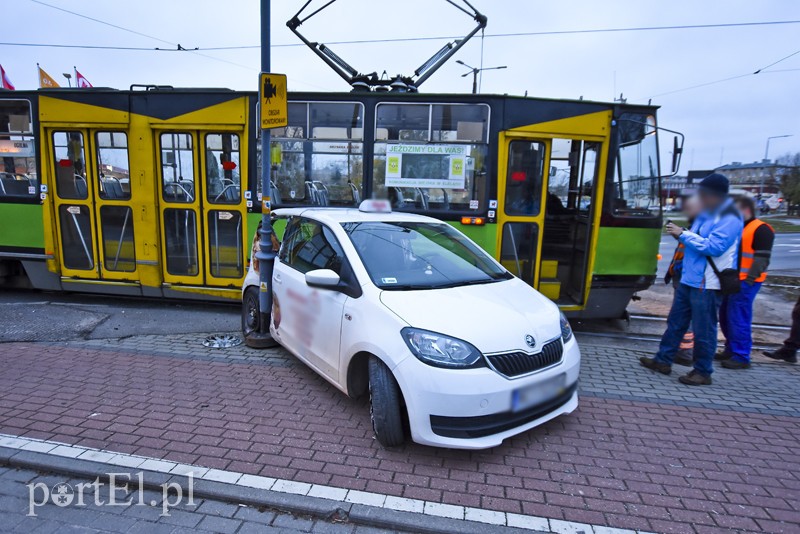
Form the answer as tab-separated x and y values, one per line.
342	215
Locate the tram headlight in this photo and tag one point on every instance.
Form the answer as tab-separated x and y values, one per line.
566	329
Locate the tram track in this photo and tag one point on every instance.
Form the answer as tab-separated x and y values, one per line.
649	338
756	326
656	338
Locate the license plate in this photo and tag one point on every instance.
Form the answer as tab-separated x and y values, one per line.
534	394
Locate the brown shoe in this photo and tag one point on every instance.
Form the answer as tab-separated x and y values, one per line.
681	358
655	365
695	379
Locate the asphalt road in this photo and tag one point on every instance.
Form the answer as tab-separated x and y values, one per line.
42	316
785	255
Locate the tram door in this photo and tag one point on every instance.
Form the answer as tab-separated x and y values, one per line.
92	195
201	207
547	194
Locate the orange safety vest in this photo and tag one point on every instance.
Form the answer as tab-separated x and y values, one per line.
747	249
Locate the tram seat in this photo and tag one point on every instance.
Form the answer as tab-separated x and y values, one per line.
317	193
229	194
276	194
10	186
81	188
356	193
397	198
177	192
112	189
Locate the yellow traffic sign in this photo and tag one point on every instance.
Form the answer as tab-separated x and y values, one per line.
274	108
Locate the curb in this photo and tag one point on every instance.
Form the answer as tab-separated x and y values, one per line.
320	508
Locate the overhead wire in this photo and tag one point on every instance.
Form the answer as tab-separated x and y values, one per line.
135	32
762	70
386	40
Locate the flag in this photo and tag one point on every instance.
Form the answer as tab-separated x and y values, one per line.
45	80
81	81
5	81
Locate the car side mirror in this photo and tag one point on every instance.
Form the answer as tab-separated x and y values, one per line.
324	278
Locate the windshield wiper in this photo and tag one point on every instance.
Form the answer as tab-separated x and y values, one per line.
395	287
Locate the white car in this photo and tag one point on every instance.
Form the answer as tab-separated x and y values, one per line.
450	346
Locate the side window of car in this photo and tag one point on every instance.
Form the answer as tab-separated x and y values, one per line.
312	245
288	239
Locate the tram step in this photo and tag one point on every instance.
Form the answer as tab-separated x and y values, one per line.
549	269
550	288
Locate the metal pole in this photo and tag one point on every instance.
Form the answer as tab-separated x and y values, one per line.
766	157
475	81
266	256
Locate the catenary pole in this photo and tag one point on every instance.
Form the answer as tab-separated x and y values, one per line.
265	256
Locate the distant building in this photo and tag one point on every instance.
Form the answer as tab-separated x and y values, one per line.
676	188
751	176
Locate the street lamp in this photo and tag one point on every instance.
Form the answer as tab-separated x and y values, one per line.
766	158
475	71
68	76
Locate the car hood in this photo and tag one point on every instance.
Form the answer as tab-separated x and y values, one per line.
494	317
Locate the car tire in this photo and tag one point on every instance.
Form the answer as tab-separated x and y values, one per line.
251	311
384	404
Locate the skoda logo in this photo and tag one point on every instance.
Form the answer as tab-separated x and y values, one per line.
530	341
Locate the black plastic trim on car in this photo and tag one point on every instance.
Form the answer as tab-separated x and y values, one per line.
487	425
514	364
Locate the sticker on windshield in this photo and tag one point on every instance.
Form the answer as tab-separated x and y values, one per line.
389	280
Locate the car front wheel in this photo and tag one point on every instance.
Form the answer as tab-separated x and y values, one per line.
384	404
251	312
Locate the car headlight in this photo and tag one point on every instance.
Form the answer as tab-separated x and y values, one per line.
439	350
566	329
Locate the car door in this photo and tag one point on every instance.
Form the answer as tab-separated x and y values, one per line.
308	320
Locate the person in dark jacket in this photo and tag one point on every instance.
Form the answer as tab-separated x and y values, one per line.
788	352
736	312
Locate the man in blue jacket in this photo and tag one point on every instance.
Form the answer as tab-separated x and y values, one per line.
714	235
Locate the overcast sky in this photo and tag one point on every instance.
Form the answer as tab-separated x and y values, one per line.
728	121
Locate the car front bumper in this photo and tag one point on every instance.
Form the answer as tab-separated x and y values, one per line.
471	409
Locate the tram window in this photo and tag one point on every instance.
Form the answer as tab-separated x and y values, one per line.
17	150
76	237
114	179
403	122
298	122
573	172
347	118
116	227
323	164
180	233
436	153
636	189
460	122
524	182
70	165
177	167
223	174
225	244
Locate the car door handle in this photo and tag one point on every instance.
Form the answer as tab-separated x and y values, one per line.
277	279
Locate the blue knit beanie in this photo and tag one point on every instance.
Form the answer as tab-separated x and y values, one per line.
716	184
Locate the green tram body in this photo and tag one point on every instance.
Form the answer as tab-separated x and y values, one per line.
155	192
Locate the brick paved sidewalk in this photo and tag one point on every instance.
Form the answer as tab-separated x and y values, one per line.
627	458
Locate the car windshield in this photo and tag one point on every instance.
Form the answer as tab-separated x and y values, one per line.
420	255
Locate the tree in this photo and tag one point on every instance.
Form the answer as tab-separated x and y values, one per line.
790	180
